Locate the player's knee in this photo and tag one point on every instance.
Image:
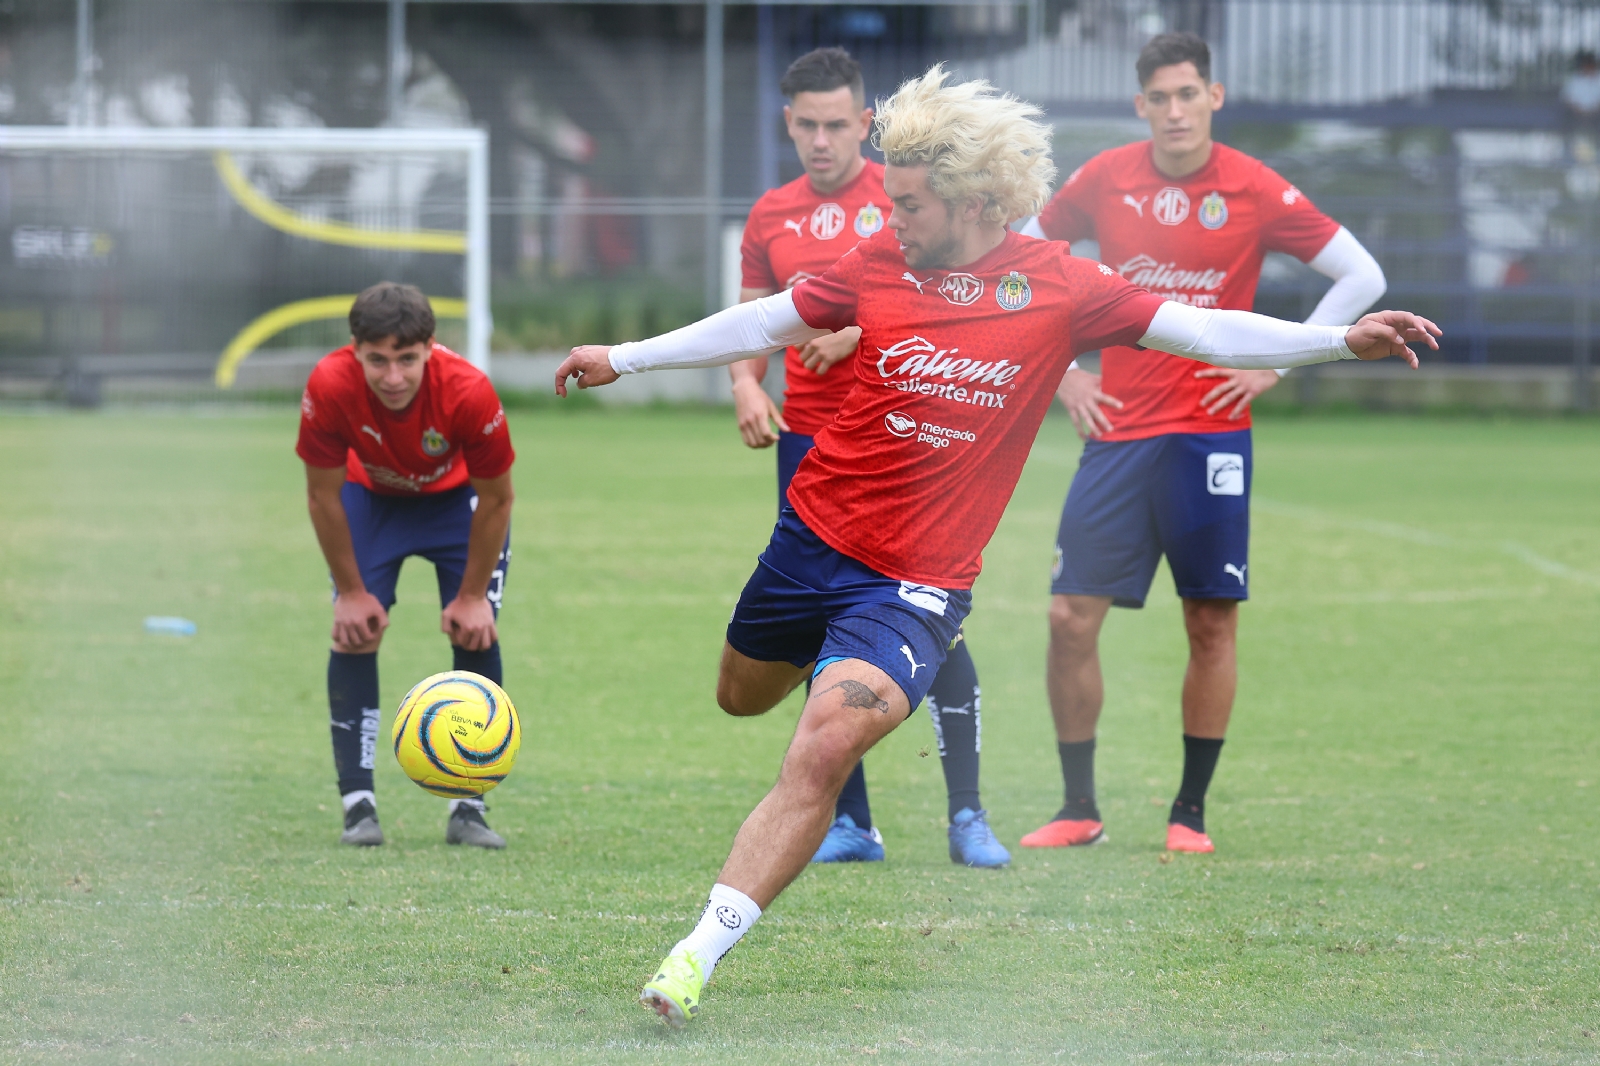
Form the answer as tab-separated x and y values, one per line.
1071	631
1212	625
821	758
737	700
364	648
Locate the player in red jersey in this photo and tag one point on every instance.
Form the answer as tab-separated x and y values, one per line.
1168	463
796	232
966	331
407	453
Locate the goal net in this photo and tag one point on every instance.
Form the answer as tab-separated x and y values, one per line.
141	259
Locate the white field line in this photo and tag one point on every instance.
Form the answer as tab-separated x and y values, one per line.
1395	531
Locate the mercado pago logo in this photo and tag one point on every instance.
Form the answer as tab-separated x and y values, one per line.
1197	288
917	365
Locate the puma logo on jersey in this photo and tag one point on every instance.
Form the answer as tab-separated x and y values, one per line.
794	224
1137	205
375	434
908	276
1236	571
912	659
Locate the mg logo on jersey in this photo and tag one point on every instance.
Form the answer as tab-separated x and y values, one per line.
899	423
1165	279
962	290
1171	206
827	222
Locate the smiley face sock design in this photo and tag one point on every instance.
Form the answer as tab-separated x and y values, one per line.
729	914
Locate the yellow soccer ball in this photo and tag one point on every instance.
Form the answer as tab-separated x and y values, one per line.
456	734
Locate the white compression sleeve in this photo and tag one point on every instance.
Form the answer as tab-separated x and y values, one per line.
1241	339
740	332
1358	281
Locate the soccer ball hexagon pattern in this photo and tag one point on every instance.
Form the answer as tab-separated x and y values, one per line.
456	734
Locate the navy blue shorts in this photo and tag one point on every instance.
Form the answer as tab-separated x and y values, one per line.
386	529
1182	495
807	603
792	448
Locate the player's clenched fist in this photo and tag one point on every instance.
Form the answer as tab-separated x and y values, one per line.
1385	333
590	364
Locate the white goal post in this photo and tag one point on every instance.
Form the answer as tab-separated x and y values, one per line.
473	244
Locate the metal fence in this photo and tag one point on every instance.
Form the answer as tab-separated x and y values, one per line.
1431	127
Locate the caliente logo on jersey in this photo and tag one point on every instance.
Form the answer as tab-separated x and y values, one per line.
797	277
899	423
1213	211
1194	287
1171	206
869	220
827	222
962	290
433	443
1013	292
917	365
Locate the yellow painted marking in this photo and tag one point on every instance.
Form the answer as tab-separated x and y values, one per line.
322	308
279	217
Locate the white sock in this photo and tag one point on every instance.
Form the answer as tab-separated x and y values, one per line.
729	914
469	802
350	799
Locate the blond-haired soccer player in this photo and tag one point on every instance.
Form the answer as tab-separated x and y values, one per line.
966	329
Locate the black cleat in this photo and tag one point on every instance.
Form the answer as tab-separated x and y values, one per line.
361	826
466	826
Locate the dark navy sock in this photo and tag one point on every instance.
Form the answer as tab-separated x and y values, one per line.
486	663
1200	756
353	718
853	798
1077	777
955	706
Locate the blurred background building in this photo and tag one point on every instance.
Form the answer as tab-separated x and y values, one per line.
1455	138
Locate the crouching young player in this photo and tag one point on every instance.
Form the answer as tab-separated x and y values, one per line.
407	453
869	572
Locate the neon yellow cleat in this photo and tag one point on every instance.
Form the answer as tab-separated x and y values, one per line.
675	992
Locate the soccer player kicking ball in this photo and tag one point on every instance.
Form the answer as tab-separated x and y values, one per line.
1167	467
966	329
796	232
407	453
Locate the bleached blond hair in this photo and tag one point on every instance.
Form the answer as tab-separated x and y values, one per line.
974	140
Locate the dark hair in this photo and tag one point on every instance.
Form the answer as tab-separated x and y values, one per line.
823	70
1170	49
391	309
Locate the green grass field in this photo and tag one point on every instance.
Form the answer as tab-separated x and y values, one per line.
1405	812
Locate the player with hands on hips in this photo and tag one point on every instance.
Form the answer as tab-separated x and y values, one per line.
1168	463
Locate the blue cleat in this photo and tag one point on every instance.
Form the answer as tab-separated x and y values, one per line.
846	842
973	843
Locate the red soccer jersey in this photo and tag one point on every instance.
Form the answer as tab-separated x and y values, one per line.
795	233
455	428
955	372
1197	240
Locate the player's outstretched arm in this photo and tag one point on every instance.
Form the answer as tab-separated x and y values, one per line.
1250	341
728	336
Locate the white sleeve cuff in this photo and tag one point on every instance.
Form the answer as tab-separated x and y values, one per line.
1241	339
740	332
